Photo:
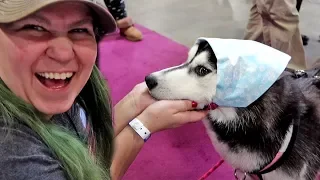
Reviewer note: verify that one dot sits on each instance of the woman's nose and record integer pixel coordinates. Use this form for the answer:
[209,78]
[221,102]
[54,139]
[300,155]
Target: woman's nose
[60,49]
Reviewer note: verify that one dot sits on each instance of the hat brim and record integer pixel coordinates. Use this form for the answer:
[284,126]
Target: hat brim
[10,12]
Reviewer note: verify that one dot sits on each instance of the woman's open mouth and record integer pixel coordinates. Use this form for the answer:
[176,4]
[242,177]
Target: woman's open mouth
[55,80]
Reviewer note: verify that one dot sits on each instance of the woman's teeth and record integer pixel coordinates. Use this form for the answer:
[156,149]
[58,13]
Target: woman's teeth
[62,76]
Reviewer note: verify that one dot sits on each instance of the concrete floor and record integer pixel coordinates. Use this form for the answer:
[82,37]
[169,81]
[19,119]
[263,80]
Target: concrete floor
[186,20]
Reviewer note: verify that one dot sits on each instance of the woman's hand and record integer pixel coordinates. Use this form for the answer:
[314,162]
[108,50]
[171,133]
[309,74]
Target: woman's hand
[167,114]
[140,98]
[131,106]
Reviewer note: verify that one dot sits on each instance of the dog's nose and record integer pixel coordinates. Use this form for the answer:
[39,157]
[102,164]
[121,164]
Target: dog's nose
[151,82]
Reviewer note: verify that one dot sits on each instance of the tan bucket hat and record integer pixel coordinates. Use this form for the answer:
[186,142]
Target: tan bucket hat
[13,10]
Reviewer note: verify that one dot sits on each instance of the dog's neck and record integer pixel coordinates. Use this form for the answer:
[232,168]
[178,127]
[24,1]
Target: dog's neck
[282,155]
[259,129]
[275,163]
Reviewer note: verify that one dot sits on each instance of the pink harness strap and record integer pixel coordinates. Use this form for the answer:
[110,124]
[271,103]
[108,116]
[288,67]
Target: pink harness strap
[283,148]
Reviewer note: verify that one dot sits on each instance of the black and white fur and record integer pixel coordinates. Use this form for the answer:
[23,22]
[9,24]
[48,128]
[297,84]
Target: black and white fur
[249,138]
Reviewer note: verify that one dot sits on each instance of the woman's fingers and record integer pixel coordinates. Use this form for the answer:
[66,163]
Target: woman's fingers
[191,116]
[183,105]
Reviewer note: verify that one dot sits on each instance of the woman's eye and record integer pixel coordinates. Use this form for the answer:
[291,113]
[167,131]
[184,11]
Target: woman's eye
[202,71]
[79,30]
[33,27]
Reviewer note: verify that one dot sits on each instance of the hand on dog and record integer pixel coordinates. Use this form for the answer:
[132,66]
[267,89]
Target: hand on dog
[141,97]
[136,101]
[167,114]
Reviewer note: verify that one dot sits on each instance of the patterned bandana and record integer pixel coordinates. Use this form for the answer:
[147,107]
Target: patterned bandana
[245,70]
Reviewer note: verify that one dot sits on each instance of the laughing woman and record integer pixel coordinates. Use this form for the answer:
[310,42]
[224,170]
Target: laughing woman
[55,109]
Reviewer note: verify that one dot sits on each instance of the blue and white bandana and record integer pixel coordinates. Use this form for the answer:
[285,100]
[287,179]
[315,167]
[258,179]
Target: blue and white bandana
[245,70]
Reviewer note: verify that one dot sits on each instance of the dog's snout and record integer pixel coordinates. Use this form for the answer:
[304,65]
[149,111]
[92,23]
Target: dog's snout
[151,82]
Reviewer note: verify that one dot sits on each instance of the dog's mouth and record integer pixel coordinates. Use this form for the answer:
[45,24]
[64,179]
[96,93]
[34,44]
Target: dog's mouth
[211,106]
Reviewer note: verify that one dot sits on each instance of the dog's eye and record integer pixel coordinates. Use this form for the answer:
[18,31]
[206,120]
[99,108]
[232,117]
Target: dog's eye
[201,71]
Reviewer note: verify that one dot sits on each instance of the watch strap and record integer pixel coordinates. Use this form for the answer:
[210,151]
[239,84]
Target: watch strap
[140,129]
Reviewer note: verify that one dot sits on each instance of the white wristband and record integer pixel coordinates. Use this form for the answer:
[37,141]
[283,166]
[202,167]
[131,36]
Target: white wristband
[140,129]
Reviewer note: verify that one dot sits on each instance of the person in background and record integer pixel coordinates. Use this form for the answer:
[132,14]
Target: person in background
[117,9]
[276,23]
[305,39]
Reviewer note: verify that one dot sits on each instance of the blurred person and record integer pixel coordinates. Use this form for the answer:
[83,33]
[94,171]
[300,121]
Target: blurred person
[118,10]
[305,39]
[276,23]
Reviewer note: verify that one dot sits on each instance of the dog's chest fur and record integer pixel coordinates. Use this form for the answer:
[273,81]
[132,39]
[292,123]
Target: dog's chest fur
[243,159]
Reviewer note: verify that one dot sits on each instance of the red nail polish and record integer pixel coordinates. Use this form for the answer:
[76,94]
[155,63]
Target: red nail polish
[194,104]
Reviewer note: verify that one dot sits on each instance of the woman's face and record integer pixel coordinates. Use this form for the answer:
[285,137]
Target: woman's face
[47,58]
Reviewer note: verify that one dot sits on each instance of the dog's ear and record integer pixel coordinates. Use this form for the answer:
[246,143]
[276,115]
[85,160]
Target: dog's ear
[199,47]
[192,52]
[212,58]
[203,45]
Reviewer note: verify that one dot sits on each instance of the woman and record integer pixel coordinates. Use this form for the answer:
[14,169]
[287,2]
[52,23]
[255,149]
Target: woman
[117,9]
[55,109]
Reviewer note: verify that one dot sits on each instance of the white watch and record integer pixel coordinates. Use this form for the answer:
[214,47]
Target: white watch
[140,129]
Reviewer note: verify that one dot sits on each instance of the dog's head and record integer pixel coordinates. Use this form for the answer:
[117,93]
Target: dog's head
[193,80]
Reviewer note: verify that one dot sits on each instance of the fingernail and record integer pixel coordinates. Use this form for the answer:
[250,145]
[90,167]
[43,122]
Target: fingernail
[194,104]
[213,106]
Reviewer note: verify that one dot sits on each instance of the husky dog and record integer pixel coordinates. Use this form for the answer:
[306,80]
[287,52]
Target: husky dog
[286,116]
